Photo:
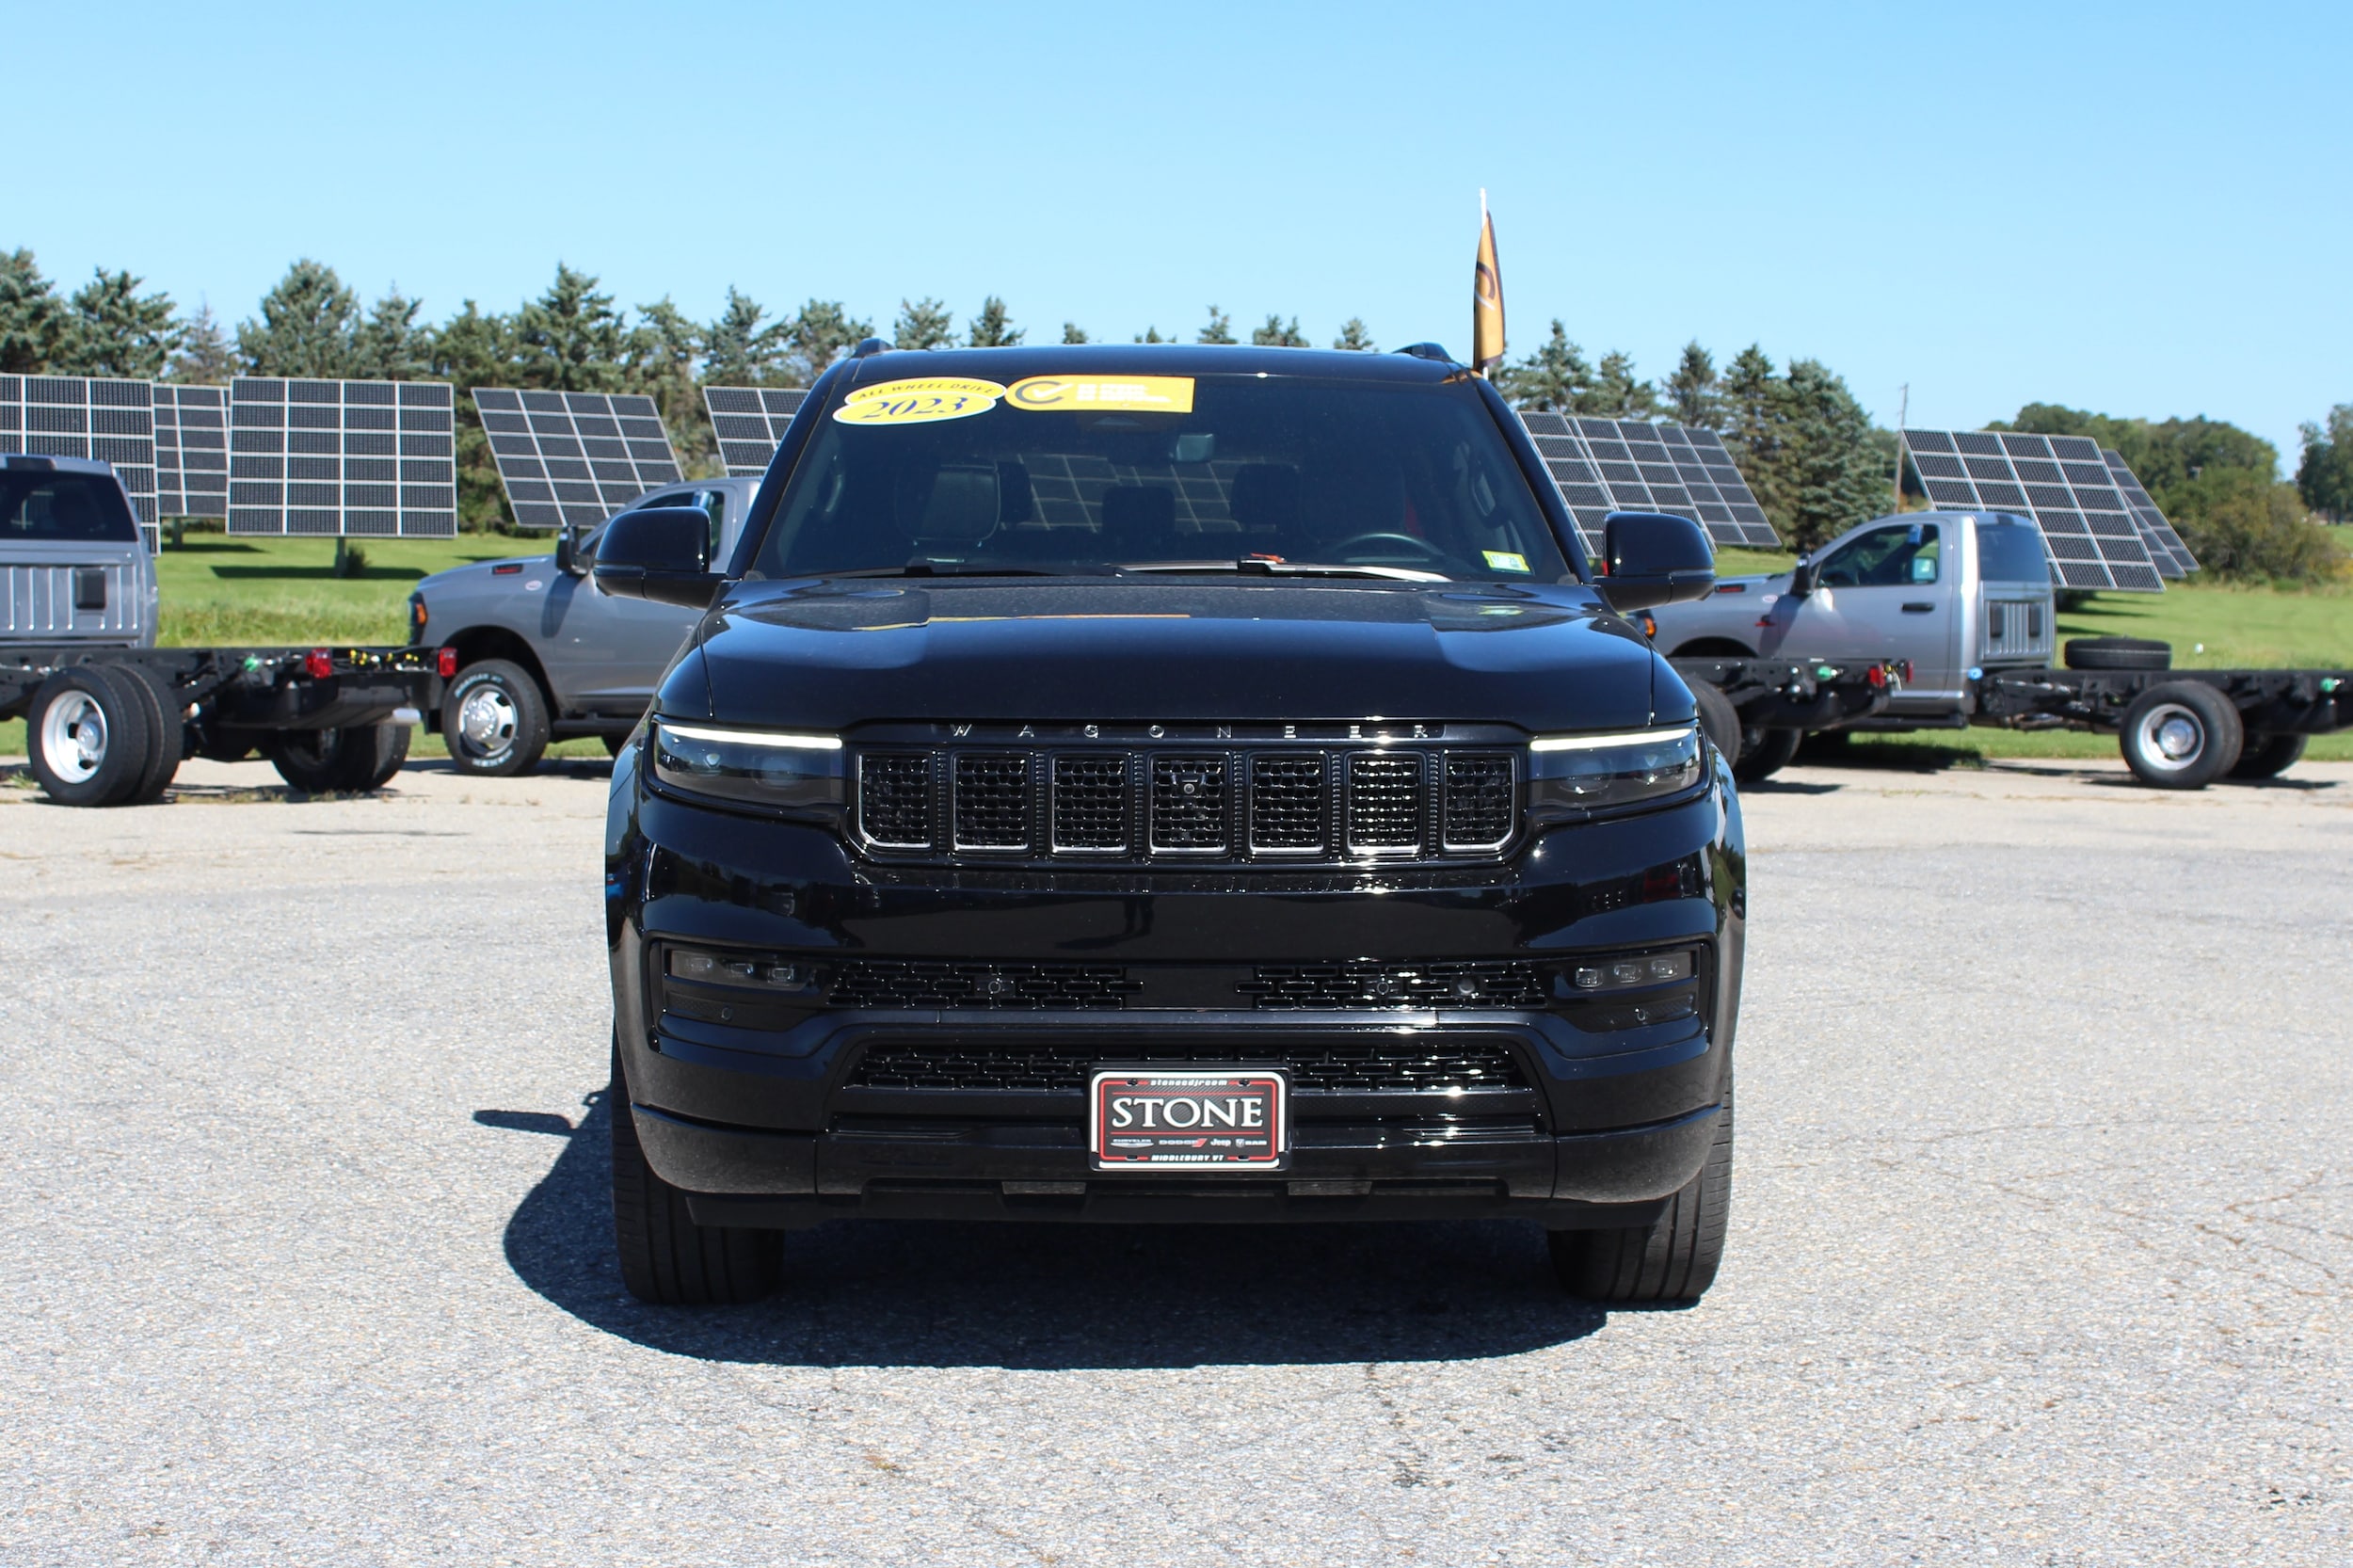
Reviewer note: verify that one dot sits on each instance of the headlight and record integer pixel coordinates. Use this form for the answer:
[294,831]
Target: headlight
[757,767]
[1569,774]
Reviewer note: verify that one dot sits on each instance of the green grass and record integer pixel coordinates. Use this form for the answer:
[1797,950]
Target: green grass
[218,591]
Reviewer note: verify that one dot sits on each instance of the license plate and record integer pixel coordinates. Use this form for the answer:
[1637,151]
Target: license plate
[1194,1119]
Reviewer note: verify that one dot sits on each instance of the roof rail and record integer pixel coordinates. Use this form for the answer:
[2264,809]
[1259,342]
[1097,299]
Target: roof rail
[1429,351]
[869,345]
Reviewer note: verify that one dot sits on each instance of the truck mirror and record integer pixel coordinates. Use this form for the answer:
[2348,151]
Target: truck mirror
[1805,578]
[568,551]
[1655,558]
[659,552]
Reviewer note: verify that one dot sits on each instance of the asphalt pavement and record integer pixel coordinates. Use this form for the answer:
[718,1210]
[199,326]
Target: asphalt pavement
[2041,1239]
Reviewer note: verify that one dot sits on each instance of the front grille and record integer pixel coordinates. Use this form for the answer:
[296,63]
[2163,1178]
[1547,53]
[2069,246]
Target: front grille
[1454,984]
[911,983]
[1433,1067]
[1295,803]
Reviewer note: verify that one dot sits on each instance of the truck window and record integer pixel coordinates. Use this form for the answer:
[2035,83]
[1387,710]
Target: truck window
[1896,555]
[64,508]
[2009,549]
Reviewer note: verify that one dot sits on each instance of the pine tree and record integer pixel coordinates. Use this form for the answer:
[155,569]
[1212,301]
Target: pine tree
[390,345]
[1616,393]
[33,320]
[1152,334]
[472,349]
[1073,332]
[990,330]
[1833,475]
[737,349]
[1692,390]
[571,339]
[1354,336]
[1750,419]
[305,327]
[1278,333]
[925,324]
[1220,329]
[664,348]
[820,332]
[1555,376]
[204,357]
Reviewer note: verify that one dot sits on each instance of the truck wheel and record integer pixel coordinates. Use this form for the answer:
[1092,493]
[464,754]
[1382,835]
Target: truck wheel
[2267,755]
[371,755]
[1718,718]
[87,736]
[338,761]
[1765,752]
[1674,1258]
[494,720]
[2181,735]
[666,1258]
[166,734]
[2118,654]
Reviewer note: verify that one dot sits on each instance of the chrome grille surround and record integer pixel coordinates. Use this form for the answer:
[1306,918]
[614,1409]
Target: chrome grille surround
[894,799]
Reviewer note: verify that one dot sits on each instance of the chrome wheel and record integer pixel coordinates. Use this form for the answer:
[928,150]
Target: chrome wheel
[486,719]
[2171,737]
[74,736]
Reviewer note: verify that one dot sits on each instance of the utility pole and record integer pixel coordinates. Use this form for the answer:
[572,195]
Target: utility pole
[1903,411]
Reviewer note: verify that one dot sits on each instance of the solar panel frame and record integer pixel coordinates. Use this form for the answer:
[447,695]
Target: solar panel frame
[2166,546]
[1602,465]
[320,459]
[572,460]
[106,418]
[748,423]
[2090,536]
[191,452]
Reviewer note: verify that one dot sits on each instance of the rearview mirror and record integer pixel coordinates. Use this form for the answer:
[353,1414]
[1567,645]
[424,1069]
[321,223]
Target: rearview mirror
[659,552]
[1654,558]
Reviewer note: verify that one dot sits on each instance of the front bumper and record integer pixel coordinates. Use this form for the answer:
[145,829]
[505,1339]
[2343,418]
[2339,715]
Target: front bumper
[767,1119]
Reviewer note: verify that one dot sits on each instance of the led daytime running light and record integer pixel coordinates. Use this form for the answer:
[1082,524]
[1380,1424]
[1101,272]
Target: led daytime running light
[753,737]
[1612,738]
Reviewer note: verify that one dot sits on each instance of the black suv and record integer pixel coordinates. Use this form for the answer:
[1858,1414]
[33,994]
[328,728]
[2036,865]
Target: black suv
[1168,784]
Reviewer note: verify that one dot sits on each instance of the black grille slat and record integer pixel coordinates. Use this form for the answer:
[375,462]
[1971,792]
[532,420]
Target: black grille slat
[1432,1066]
[1384,800]
[1289,797]
[1091,803]
[919,983]
[1480,803]
[1189,803]
[992,801]
[1450,984]
[895,799]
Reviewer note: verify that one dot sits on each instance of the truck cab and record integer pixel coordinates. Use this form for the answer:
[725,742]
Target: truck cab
[73,567]
[1953,594]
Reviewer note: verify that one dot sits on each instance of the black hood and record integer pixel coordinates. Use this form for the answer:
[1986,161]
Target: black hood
[835,654]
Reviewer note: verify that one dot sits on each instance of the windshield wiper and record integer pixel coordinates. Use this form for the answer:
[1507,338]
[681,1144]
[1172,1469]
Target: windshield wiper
[1250,566]
[919,567]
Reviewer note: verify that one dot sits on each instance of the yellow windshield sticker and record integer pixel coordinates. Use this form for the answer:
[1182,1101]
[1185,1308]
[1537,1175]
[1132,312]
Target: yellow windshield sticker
[1156,395]
[1500,560]
[918,401]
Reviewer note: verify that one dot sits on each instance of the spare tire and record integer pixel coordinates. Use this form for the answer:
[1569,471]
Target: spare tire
[2118,654]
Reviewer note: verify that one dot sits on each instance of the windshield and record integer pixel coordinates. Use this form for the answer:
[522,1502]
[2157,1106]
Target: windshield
[2011,551]
[1089,473]
[66,508]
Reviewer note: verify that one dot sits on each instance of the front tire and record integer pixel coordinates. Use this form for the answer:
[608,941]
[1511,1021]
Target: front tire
[666,1258]
[2181,735]
[1673,1259]
[494,720]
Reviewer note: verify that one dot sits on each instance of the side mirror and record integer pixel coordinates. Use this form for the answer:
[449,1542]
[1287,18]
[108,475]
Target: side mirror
[1655,558]
[659,552]
[566,551]
[1805,578]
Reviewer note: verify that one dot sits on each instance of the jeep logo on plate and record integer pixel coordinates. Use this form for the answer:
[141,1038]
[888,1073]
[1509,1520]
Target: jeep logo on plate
[1222,1118]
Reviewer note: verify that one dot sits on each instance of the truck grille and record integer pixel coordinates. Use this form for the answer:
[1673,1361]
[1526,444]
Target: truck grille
[915,983]
[1336,988]
[1431,1067]
[1292,803]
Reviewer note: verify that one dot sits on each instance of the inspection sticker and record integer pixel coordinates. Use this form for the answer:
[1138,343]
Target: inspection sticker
[1500,560]
[918,401]
[1156,395]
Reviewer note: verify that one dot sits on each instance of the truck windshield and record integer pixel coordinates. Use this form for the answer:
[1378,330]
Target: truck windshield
[1082,474]
[2009,549]
[63,508]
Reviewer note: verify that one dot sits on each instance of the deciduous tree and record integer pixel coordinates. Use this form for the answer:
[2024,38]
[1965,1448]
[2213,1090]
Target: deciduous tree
[2325,475]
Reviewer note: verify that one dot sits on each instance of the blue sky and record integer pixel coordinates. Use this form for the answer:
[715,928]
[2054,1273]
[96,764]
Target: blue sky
[2142,210]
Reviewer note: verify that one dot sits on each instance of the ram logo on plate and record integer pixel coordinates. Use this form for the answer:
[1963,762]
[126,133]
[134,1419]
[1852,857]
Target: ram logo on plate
[1220,1118]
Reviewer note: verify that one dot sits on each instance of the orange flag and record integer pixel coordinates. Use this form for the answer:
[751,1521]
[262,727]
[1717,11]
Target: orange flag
[1486,298]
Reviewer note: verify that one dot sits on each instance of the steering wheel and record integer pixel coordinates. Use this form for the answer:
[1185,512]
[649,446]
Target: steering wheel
[1423,546]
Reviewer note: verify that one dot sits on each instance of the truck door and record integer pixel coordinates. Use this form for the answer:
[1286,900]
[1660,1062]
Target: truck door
[604,654]
[1883,594]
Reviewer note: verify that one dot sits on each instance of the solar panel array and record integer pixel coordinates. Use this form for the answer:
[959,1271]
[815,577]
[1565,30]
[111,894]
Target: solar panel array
[78,416]
[2061,482]
[2166,547]
[191,451]
[570,459]
[749,423]
[368,459]
[1604,465]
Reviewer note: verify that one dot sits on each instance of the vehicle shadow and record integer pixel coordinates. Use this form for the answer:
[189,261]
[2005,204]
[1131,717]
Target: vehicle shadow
[1058,1297]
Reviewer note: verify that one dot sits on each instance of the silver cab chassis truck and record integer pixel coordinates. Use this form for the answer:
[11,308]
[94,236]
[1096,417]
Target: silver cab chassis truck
[109,718]
[1962,605]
